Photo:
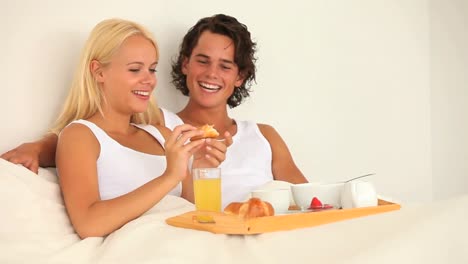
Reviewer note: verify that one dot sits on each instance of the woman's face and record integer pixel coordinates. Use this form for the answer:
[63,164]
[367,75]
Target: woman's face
[129,79]
[211,71]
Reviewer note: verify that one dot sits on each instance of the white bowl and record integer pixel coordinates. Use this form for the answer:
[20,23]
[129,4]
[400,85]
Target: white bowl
[278,198]
[327,193]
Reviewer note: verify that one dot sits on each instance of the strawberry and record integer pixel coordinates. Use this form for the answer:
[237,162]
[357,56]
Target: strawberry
[316,204]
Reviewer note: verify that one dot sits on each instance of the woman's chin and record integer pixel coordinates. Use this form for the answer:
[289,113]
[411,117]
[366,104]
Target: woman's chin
[139,109]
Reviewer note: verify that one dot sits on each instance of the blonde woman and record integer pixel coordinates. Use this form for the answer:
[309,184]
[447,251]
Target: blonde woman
[113,165]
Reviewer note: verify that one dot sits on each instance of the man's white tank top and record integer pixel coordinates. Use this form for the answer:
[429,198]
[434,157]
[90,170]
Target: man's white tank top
[248,160]
[121,169]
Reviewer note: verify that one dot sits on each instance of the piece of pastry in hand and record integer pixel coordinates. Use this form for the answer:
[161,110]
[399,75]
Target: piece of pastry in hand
[208,132]
[254,207]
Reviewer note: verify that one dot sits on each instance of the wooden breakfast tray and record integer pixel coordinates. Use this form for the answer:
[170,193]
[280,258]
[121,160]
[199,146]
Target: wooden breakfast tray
[231,224]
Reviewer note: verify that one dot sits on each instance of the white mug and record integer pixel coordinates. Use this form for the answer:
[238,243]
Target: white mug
[278,198]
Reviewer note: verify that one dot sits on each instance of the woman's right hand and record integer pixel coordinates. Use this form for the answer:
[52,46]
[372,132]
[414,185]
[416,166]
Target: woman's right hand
[26,154]
[179,149]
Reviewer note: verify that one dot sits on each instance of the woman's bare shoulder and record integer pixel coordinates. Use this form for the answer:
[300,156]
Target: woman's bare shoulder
[77,136]
[74,130]
[77,145]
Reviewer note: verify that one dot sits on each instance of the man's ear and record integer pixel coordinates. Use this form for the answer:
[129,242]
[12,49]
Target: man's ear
[184,65]
[96,70]
[240,80]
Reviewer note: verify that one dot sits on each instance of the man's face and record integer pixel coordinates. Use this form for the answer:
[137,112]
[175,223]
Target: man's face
[211,72]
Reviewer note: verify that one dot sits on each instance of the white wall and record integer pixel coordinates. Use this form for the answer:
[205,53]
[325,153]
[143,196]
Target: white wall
[356,79]
[449,97]
[346,83]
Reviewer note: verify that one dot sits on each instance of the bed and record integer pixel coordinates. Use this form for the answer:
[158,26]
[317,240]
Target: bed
[34,228]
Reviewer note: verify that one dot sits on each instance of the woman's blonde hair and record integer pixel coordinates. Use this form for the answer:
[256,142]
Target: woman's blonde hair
[85,98]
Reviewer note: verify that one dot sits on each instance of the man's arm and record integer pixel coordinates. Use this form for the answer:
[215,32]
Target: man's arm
[34,154]
[283,165]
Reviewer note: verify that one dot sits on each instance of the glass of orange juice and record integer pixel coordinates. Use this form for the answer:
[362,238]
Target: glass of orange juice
[207,189]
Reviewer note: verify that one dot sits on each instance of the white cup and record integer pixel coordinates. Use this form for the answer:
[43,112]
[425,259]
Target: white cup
[278,198]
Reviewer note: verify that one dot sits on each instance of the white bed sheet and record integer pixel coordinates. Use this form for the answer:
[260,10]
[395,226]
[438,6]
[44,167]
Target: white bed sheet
[34,228]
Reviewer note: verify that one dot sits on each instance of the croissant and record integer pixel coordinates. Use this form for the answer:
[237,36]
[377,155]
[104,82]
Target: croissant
[208,132]
[254,207]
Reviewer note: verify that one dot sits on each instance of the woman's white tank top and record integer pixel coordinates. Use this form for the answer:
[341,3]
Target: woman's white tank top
[122,169]
[248,160]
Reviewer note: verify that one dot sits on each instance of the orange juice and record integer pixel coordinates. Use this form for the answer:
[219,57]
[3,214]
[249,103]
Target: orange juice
[207,194]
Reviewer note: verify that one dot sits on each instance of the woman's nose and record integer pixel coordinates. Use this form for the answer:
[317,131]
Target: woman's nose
[149,78]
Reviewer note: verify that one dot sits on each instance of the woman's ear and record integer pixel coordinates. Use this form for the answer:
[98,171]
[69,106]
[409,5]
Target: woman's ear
[96,70]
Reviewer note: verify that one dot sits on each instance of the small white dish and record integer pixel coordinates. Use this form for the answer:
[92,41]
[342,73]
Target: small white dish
[306,211]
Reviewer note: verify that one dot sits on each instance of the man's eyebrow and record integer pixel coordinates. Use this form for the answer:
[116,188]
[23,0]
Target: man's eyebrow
[207,57]
[227,61]
[202,55]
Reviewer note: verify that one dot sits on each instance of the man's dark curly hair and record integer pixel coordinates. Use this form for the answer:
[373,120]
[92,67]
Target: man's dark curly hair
[244,56]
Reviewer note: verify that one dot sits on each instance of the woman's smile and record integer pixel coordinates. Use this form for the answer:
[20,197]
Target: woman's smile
[142,94]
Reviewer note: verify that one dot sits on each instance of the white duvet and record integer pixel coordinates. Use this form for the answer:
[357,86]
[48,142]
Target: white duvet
[34,228]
